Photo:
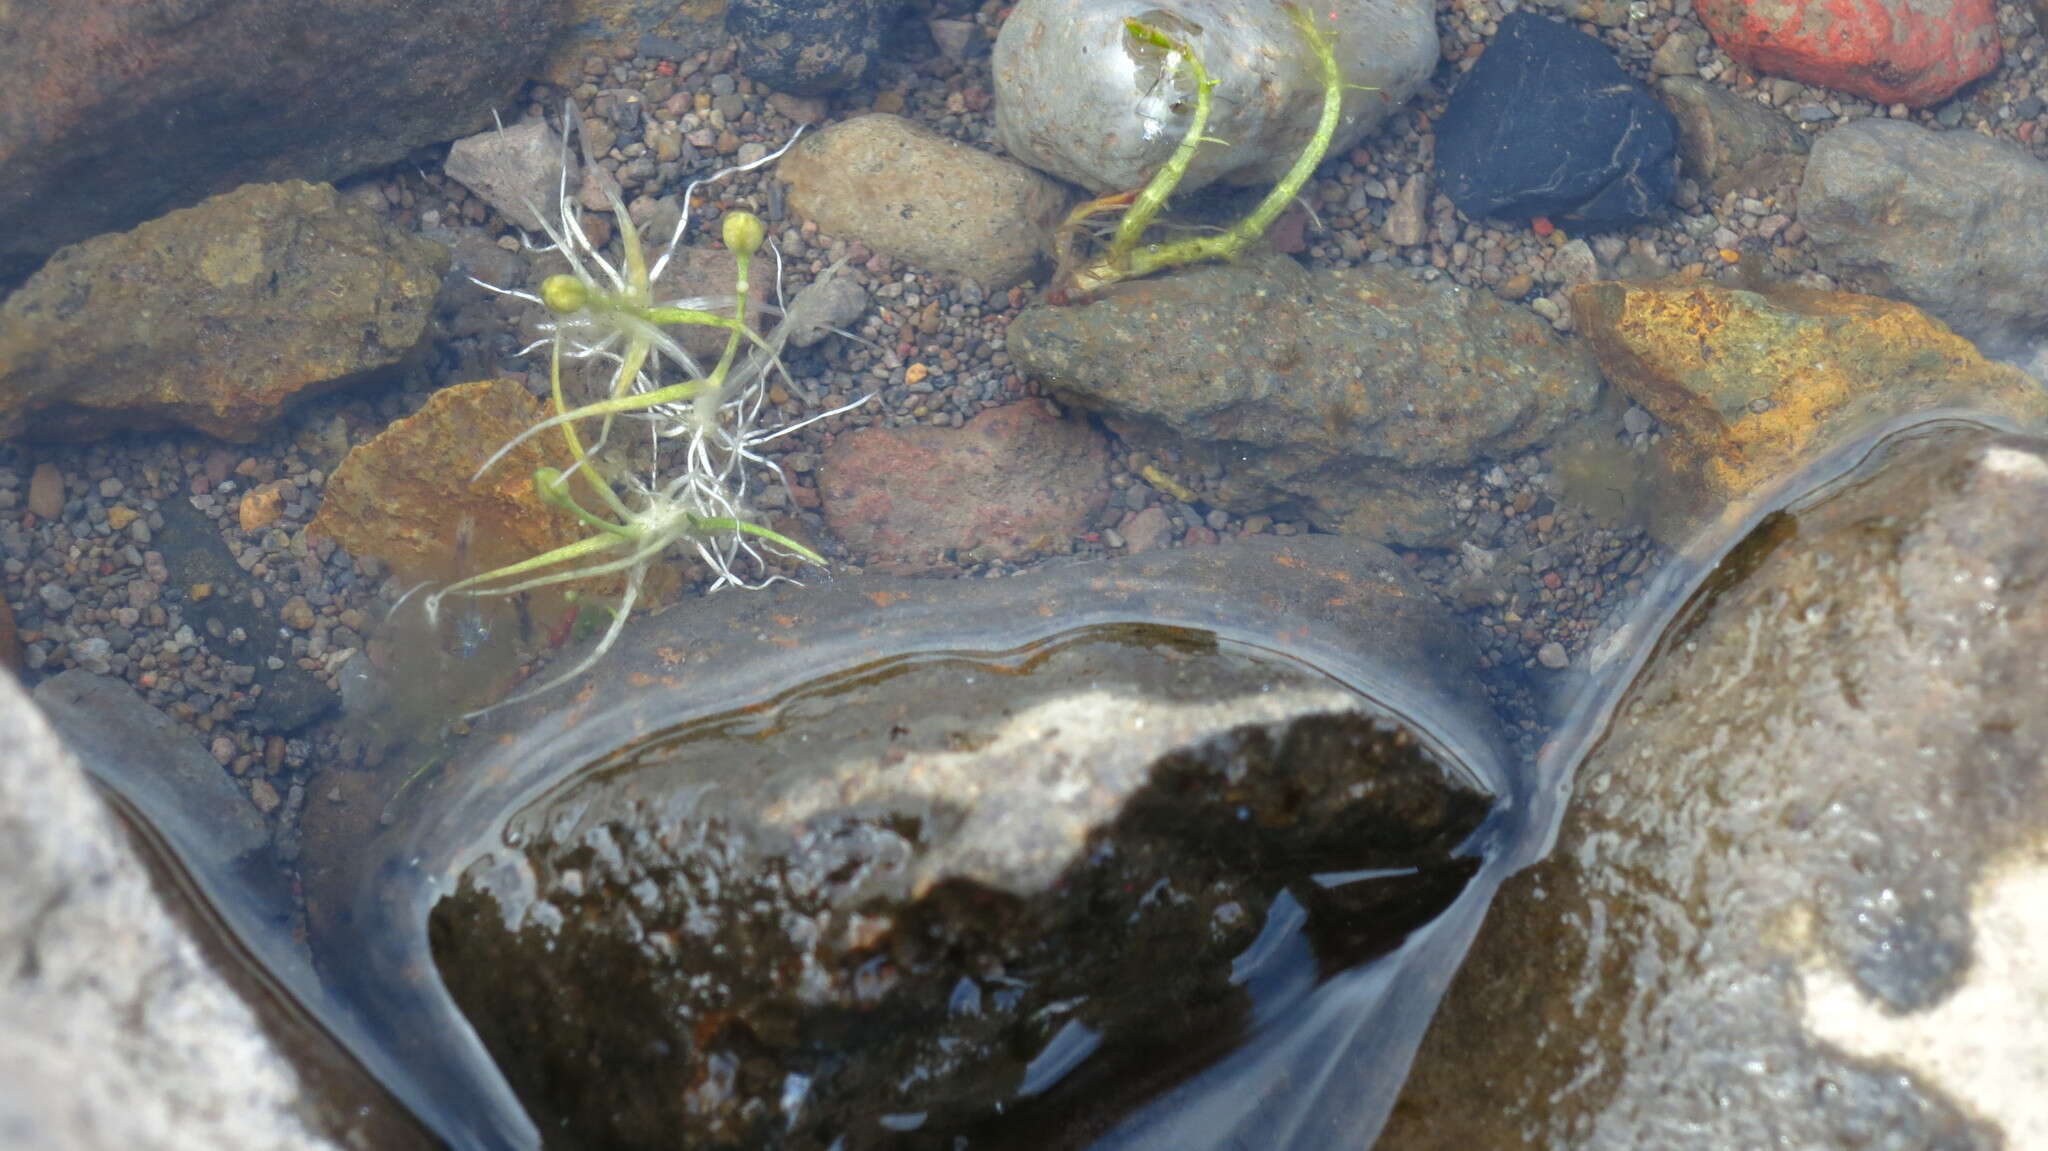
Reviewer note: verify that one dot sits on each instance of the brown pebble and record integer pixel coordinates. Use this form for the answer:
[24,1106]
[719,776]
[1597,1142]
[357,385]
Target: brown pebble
[261,506]
[120,516]
[264,796]
[46,491]
[890,102]
[1518,285]
[273,754]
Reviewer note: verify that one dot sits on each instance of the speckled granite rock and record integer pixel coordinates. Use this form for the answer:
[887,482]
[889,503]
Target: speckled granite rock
[214,317]
[1343,395]
[1785,906]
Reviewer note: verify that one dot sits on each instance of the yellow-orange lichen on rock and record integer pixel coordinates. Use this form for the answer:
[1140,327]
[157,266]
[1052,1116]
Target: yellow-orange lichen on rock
[405,495]
[1753,385]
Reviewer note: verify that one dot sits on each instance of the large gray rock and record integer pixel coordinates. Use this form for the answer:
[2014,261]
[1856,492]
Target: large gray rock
[1951,221]
[957,833]
[1077,98]
[114,1031]
[1784,907]
[1345,395]
[113,112]
[215,317]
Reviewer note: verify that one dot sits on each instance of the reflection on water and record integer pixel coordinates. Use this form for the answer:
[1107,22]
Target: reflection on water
[1319,1005]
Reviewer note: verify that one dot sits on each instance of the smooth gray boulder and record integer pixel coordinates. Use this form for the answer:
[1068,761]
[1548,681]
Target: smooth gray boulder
[114,1030]
[1077,98]
[1951,221]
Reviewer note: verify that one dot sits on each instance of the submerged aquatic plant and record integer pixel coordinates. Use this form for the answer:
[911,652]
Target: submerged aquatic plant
[705,424]
[1126,255]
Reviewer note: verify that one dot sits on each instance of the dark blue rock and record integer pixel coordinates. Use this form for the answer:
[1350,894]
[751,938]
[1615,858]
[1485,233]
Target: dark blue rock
[1547,124]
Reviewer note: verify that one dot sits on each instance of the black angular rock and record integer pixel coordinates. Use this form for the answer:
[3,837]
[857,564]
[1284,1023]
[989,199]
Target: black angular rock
[1548,124]
[807,47]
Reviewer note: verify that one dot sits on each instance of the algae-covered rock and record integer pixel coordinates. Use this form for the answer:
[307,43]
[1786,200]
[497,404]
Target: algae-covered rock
[1754,385]
[1784,905]
[408,498]
[902,188]
[1012,855]
[215,317]
[1342,394]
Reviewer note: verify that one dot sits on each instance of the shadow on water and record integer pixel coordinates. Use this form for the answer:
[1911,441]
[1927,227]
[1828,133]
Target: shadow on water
[1313,1014]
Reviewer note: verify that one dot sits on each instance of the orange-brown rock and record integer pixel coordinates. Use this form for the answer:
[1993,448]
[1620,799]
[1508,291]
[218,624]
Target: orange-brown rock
[1751,386]
[261,505]
[407,498]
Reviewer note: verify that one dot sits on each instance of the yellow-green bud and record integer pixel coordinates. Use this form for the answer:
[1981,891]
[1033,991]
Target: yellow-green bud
[550,486]
[743,232]
[564,294]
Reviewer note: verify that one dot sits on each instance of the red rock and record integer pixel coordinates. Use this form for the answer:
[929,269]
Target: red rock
[1913,52]
[1014,481]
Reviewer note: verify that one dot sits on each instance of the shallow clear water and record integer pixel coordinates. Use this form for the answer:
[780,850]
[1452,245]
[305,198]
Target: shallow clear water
[369,979]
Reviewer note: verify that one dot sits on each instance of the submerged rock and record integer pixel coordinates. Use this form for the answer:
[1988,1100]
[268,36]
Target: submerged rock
[1730,143]
[1951,221]
[1344,394]
[116,112]
[518,170]
[1548,124]
[990,858]
[954,920]
[808,47]
[1752,387]
[411,496]
[215,317]
[1015,482]
[1781,908]
[904,189]
[1912,52]
[1077,98]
